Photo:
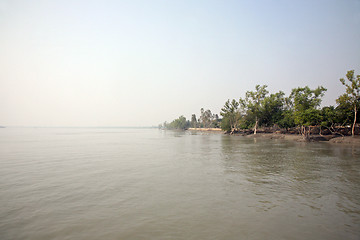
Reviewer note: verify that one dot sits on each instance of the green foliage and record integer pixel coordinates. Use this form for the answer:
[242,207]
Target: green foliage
[300,108]
[225,124]
[352,95]
[352,89]
[206,118]
[344,110]
[254,100]
[329,116]
[305,98]
[179,123]
[254,104]
[308,117]
[215,122]
[332,117]
[305,103]
[231,115]
[193,122]
[272,109]
[287,119]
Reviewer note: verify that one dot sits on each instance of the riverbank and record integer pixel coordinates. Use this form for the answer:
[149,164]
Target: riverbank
[336,139]
[346,140]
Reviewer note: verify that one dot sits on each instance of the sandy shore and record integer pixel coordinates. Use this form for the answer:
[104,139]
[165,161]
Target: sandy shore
[206,129]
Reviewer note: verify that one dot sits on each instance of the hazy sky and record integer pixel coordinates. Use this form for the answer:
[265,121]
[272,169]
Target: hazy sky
[139,63]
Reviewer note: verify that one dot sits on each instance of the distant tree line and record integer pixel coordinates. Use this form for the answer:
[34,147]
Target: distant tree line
[206,120]
[301,109]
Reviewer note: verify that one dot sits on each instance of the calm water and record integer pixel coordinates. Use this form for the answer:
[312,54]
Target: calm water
[150,184]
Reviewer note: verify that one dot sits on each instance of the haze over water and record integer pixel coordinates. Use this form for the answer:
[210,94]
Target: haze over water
[111,183]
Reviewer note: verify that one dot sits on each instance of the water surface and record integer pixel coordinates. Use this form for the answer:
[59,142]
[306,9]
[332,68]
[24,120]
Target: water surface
[113,183]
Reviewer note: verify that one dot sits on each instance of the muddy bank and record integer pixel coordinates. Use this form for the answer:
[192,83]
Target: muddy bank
[336,139]
[346,140]
[292,137]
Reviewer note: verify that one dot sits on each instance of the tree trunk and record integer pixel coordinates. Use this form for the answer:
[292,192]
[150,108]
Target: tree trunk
[353,127]
[256,123]
[305,134]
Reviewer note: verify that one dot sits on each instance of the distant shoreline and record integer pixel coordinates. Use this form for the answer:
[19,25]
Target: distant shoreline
[207,129]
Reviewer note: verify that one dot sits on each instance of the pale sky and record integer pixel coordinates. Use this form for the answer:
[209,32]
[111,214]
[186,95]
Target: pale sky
[140,63]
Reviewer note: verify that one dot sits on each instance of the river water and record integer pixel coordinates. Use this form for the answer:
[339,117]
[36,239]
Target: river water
[115,183]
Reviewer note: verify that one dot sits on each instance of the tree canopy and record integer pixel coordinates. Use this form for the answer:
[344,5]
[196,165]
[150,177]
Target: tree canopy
[301,109]
[180,123]
[254,104]
[351,97]
[231,115]
[305,102]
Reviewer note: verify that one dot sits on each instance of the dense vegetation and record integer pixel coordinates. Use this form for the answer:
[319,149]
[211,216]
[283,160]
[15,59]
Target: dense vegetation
[300,109]
[206,120]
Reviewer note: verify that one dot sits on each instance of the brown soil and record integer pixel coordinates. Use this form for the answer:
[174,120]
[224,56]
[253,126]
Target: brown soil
[313,138]
[346,140]
[335,139]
